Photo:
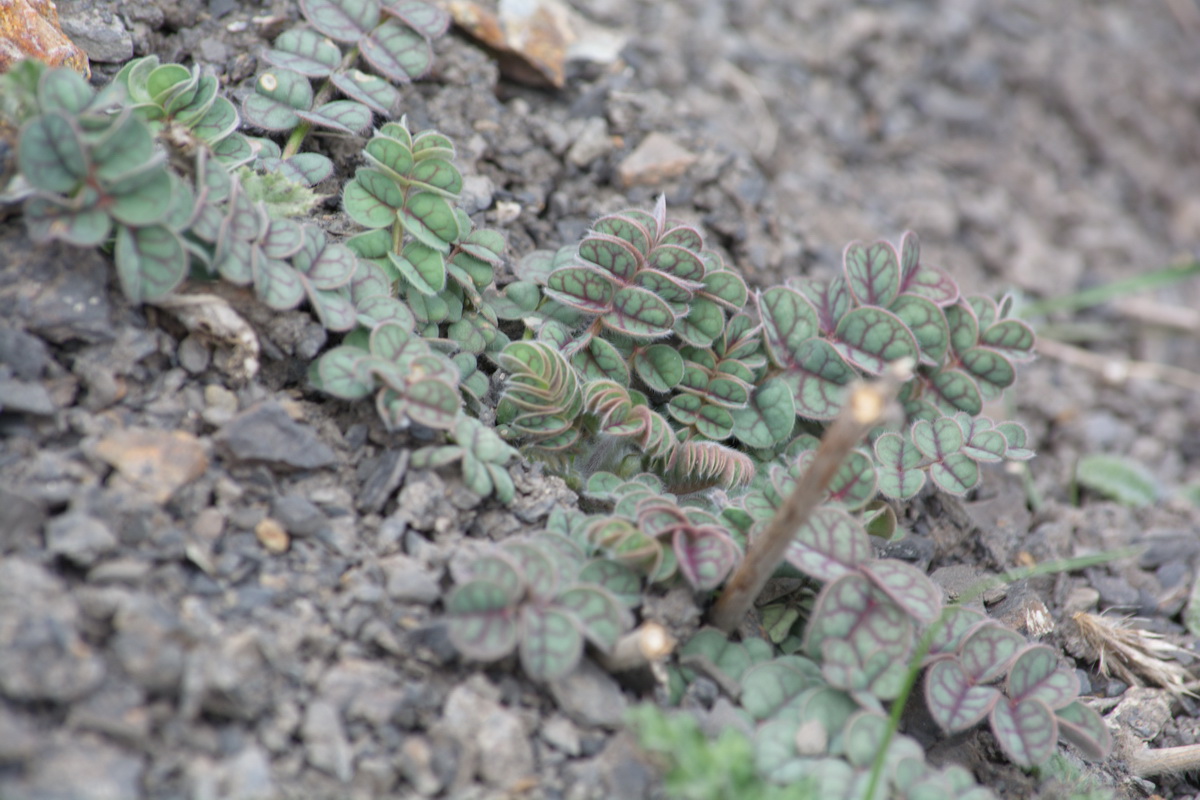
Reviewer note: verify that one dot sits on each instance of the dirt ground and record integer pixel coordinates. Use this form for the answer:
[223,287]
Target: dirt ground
[152,645]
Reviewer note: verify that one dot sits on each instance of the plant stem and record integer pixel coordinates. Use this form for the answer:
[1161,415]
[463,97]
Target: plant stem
[865,408]
[1165,761]
[640,647]
[298,134]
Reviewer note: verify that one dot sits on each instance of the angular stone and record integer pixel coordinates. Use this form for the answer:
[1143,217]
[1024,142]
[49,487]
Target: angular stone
[84,768]
[299,516]
[25,397]
[79,538]
[149,643]
[325,744]
[159,462]
[383,479]
[100,33]
[590,696]
[658,158]
[56,291]
[265,433]
[27,356]
[408,581]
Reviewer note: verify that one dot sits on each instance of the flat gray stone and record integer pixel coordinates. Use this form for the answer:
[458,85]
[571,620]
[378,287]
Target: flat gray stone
[265,433]
[590,696]
[325,744]
[79,538]
[100,33]
[25,397]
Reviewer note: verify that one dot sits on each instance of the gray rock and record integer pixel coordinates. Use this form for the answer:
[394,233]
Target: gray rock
[325,744]
[417,765]
[299,516]
[408,581]
[42,657]
[27,356]
[265,433]
[79,538]
[231,680]
[18,737]
[194,354]
[592,142]
[25,397]
[21,518]
[100,33]
[505,755]
[590,696]
[561,734]
[618,771]
[382,480]
[77,769]
[149,643]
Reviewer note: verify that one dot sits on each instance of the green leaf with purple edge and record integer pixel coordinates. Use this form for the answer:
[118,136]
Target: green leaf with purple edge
[51,153]
[678,262]
[1012,338]
[343,20]
[151,262]
[956,474]
[388,341]
[1035,674]
[430,219]
[324,264]
[907,586]
[963,326]
[870,661]
[726,288]
[586,289]
[900,477]
[304,51]
[987,650]
[370,90]
[279,94]
[818,377]
[872,272]
[927,282]
[393,157]
[953,699]
[437,175]
[732,658]
[684,236]
[339,373]
[334,309]
[952,625]
[989,367]
[1026,731]
[1083,727]
[714,422]
[830,544]
[855,482]
[659,366]
[939,438]
[550,643]
[789,322]
[871,338]
[47,217]
[425,18]
[638,314]
[422,268]
[284,238]
[601,361]
[769,686]
[538,568]
[481,620]
[1016,436]
[344,116]
[768,418]
[372,198]
[616,256]
[927,323]
[276,283]
[953,390]
[600,616]
[397,52]
[433,403]
[706,555]
[986,445]
[703,323]
[622,582]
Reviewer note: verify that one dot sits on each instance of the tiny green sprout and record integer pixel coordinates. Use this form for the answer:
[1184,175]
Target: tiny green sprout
[483,455]
[527,596]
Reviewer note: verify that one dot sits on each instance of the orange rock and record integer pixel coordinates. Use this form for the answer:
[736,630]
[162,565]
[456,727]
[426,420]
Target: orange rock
[272,536]
[159,462]
[658,158]
[529,39]
[30,29]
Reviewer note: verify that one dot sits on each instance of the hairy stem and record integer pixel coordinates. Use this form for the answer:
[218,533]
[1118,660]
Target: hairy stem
[1165,761]
[866,406]
[301,131]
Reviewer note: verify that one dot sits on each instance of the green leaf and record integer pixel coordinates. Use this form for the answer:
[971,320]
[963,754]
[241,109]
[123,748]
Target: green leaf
[1083,727]
[343,20]
[432,403]
[305,51]
[439,176]
[638,314]
[789,323]
[397,52]
[599,360]
[481,620]
[955,702]
[907,586]
[828,545]
[767,687]
[872,273]
[599,615]
[727,288]
[953,390]
[345,116]
[1035,674]
[818,377]
[276,283]
[426,19]
[989,367]
[987,651]
[424,268]
[704,322]
[125,148]
[706,555]
[1123,479]
[871,338]
[899,459]
[47,218]
[372,198]
[370,90]
[659,366]
[769,417]
[927,323]
[550,643]
[279,93]
[143,199]
[64,90]
[624,583]
[151,262]
[1026,731]
[51,154]
[340,375]
[217,125]
[430,219]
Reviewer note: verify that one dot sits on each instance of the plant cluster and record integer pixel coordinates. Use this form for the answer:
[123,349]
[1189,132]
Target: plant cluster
[392,37]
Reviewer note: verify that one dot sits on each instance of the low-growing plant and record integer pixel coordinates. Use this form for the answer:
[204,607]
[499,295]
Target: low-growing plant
[392,37]
[482,453]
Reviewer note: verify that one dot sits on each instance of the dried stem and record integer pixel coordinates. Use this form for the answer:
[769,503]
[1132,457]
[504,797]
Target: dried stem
[1165,761]
[867,404]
